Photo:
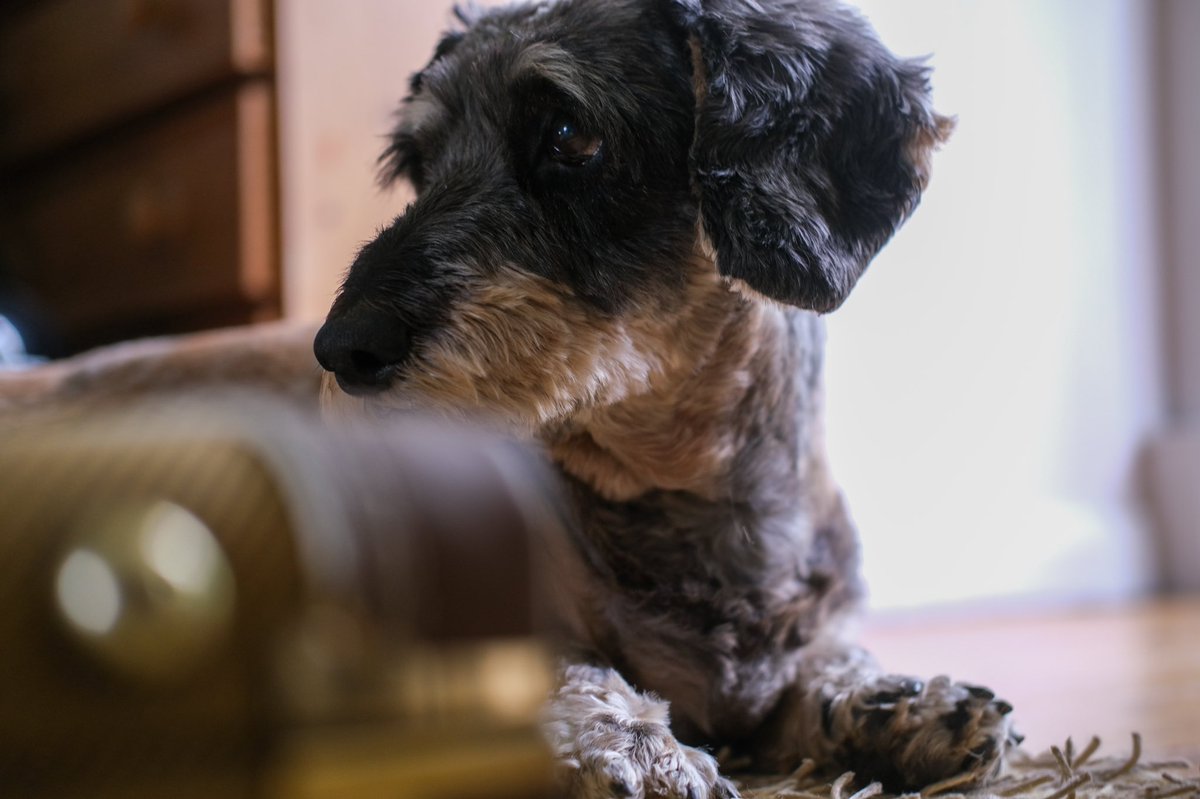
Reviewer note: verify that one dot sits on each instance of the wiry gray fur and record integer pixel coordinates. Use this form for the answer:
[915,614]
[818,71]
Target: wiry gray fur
[615,309]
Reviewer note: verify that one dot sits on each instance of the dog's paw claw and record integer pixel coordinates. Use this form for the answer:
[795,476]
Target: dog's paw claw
[979,692]
[890,690]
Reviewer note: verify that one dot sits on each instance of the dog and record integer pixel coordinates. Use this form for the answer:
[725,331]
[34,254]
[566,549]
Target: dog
[629,218]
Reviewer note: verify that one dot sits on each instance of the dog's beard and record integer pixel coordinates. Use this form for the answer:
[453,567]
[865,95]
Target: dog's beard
[338,406]
[402,400]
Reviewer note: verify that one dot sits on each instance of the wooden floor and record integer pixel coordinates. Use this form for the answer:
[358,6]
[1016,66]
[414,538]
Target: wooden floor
[1105,672]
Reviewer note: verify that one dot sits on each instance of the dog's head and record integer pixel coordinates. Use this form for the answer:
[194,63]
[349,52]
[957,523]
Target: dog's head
[593,177]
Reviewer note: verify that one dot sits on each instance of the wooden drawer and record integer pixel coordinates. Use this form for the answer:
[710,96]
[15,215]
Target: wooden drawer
[69,67]
[178,219]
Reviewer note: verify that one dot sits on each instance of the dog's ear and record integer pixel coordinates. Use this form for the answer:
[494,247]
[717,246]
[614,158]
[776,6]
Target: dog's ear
[812,142]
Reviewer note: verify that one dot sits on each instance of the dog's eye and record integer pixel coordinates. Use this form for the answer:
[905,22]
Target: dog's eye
[569,145]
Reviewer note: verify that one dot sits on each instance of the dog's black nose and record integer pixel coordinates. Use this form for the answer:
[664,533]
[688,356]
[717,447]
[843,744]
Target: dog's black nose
[364,351]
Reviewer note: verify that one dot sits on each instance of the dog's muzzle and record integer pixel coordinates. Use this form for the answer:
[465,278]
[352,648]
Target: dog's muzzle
[364,349]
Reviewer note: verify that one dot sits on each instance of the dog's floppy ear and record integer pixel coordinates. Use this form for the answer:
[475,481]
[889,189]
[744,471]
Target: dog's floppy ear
[812,142]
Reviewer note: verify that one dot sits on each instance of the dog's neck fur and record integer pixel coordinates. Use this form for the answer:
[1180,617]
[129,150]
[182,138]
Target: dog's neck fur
[736,367]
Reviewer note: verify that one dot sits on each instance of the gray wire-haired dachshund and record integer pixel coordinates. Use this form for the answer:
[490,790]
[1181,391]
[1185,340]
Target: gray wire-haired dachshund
[629,215]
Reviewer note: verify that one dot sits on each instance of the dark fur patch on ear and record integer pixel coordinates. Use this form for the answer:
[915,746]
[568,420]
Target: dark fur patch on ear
[811,143]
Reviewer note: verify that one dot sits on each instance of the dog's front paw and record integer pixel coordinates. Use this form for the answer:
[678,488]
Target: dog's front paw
[643,761]
[910,734]
[613,741]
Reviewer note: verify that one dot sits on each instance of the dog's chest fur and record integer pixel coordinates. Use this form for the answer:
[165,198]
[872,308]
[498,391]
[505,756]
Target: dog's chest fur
[706,591]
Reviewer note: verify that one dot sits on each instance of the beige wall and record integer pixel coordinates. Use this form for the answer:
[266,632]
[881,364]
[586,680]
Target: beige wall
[343,67]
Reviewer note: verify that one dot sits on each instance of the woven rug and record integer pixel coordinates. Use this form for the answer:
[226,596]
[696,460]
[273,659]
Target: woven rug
[1061,773]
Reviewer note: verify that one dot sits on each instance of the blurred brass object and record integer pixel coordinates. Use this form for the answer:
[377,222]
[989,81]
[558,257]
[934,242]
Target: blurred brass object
[331,670]
[455,763]
[145,588]
[379,722]
[219,596]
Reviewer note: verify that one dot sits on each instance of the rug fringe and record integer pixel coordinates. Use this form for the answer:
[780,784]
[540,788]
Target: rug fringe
[1064,774]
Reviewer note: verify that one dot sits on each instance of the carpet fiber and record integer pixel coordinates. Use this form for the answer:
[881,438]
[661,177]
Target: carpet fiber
[1061,773]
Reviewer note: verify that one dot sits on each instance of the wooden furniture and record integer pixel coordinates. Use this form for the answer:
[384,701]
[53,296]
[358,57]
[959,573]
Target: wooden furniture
[170,165]
[137,164]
